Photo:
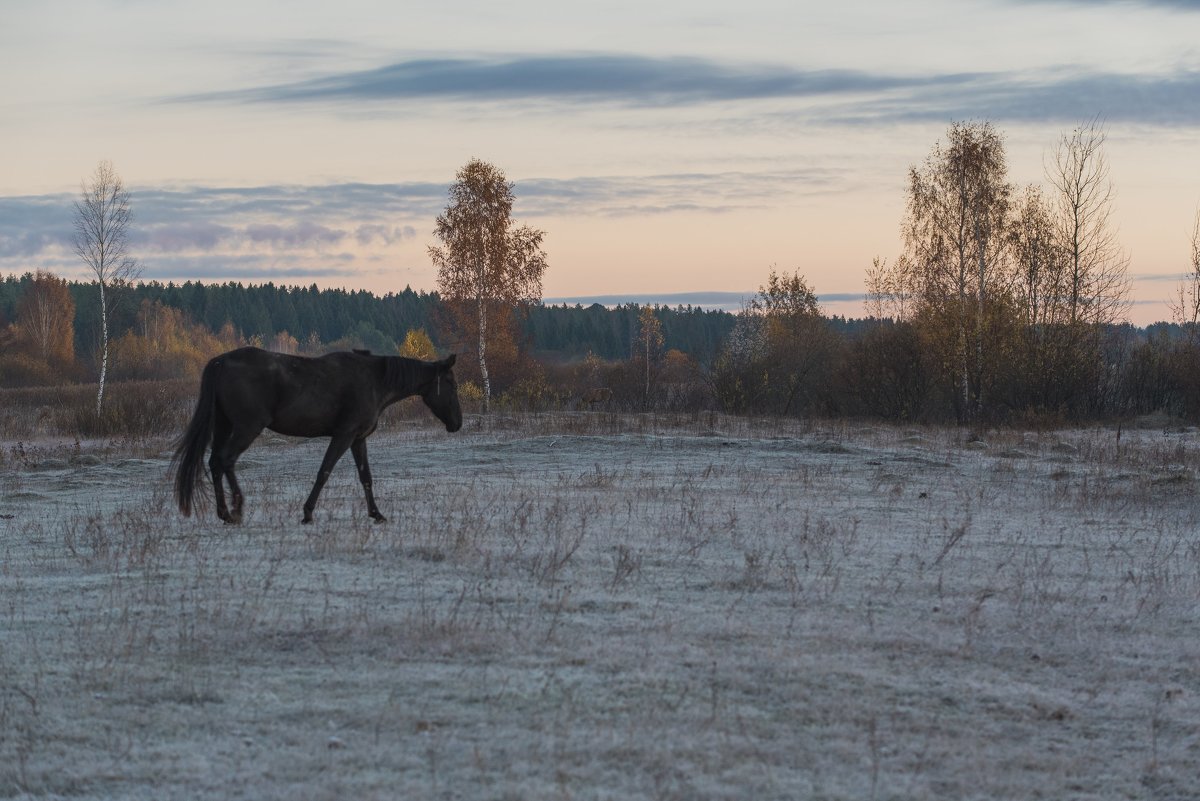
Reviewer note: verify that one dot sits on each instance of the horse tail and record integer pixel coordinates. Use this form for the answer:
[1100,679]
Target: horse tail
[188,460]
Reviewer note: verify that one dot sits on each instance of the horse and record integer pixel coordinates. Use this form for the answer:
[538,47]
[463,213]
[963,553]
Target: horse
[339,395]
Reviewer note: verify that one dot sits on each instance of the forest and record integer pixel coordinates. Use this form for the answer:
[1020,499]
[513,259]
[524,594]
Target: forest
[800,363]
[308,320]
[168,331]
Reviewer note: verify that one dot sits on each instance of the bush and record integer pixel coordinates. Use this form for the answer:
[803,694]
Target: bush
[533,393]
[883,375]
[131,409]
[20,370]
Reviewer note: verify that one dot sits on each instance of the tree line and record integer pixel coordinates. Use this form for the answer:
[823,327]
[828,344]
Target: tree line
[1005,304]
[317,319]
[779,356]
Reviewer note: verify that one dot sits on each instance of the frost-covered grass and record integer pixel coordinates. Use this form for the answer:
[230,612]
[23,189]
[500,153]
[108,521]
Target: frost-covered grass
[601,606]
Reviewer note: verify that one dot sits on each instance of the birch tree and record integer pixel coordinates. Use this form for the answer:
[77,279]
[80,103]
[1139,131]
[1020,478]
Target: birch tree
[1093,288]
[102,218]
[1040,274]
[649,343]
[1078,173]
[485,263]
[957,250]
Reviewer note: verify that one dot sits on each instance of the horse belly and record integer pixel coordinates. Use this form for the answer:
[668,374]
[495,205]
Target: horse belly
[316,415]
[300,425]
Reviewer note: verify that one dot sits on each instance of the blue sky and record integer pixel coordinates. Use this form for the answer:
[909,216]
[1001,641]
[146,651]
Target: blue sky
[664,148]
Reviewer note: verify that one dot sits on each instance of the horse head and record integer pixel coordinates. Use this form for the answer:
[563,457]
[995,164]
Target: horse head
[441,394]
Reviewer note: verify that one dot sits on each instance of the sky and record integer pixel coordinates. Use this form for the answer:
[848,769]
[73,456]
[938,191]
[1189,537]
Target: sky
[672,152]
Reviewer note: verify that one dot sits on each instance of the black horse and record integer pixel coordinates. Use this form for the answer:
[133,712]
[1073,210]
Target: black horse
[339,396]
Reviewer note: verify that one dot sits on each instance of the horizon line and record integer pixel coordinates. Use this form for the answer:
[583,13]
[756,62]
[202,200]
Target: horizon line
[725,301]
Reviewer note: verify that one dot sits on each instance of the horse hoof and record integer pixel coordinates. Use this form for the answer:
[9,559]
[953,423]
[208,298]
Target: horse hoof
[307,519]
[379,518]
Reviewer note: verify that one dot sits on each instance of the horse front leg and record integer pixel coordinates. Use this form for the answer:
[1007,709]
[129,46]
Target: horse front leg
[359,449]
[337,446]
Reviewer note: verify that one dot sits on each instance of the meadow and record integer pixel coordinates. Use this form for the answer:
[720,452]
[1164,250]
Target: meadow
[593,605]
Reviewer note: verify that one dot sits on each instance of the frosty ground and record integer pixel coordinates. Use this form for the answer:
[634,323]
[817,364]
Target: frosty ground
[601,606]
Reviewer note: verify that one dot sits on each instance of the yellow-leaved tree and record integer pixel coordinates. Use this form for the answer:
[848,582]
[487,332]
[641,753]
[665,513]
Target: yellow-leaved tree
[417,345]
[487,266]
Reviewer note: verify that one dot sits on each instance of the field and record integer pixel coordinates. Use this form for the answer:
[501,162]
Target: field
[590,606]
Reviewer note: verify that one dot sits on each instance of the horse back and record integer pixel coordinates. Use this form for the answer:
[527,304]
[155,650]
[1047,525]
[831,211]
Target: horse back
[299,395]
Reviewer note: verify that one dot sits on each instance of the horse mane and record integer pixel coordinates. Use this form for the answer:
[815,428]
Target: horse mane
[403,374]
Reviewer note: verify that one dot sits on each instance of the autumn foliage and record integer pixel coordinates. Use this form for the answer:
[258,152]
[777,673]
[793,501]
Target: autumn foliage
[164,344]
[39,348]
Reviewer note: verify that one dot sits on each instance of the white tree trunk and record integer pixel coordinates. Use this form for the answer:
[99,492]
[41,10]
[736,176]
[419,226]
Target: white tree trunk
[646,403]
[103,349]
[483,371]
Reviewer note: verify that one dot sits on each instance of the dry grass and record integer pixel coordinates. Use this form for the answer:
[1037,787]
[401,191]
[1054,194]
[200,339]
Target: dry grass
[131,410]
[603,606]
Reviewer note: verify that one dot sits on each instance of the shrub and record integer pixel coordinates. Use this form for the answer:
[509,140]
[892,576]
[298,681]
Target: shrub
[21,370]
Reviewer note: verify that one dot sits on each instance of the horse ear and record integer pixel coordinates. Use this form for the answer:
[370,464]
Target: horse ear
[448,362]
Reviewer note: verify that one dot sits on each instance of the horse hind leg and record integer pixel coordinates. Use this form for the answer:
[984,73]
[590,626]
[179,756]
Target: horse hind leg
[235,515]
[216,463]
[218,479]
[234,446]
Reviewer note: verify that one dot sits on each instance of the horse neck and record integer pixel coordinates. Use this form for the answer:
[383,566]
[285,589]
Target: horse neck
[403,376]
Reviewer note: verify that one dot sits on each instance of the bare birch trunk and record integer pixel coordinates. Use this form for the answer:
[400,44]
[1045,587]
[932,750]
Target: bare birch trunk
[103,349]
[646,402]
[483,371]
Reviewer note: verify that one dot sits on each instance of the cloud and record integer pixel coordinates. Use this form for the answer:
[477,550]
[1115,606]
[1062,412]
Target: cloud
[385,234]
[182,235]
[29,244]
[297,220]
[288,237]
[279,233]
[1173,277]
[34,225]
[848,97]
[1063,96]
[373,202]
[640,195]
[1176,5]
[260,233]
[624,79]
[252,268]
